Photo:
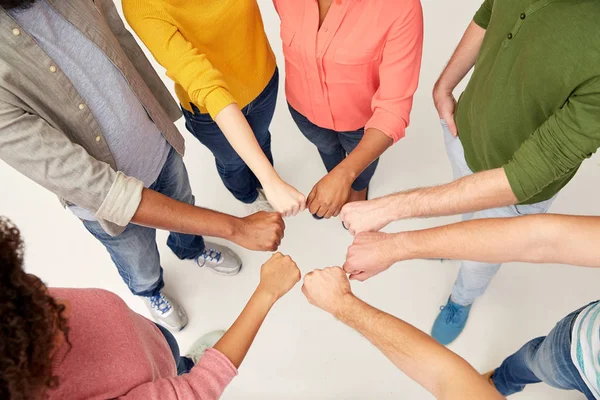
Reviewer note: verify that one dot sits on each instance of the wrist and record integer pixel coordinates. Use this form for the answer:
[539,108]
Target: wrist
[268,177]
[267,296]
[233,228]
[346,172]
[405,247]
[443,87]
[343,306]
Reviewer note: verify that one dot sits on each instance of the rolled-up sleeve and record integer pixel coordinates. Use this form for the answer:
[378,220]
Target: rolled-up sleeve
[484,14]
[559,145]
[399,74]
[48,157]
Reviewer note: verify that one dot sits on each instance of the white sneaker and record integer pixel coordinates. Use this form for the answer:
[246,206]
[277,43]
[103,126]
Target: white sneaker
[166,312]
[219,259]
[260,204]
[207,341]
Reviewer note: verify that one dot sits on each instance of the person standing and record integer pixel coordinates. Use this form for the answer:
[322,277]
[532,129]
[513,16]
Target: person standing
[352,69]
[226,79]
[84,114]
[529,117]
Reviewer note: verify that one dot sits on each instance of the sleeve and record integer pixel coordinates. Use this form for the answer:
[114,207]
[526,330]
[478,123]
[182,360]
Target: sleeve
[559,145]
[138,58]
[206,381]
[48,157]
[184,63]
[484,14]
[399,75]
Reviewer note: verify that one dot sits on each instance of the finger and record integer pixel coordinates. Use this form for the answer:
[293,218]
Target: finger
[328,212]
[337,212]
[361,277]
[451,125]
[320,211]
[313,206]
[305,291]
[311,197]
[302,205]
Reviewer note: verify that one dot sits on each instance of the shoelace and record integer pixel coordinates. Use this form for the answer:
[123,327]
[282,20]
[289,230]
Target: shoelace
[453,313]
[211,255]
[160,303]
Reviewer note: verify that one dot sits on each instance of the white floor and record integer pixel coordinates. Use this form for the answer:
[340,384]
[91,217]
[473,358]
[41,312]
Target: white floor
[302,353]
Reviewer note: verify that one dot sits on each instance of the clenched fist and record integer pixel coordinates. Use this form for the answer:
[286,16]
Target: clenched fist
[278,275]
[330,194]
[328,289]
[284,198]
[261,231]
[366,216]
[371,253]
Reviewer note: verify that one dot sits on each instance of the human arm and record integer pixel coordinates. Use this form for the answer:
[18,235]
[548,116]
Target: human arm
[479,191]
[440,371]
[206,87]
[218,366]
[547,238]
[459,65]
[391,105]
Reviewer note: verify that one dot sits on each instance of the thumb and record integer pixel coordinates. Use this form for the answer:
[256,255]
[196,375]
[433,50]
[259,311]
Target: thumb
[451,125]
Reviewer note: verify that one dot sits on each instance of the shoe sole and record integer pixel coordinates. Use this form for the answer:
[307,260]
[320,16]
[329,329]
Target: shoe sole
[224,273]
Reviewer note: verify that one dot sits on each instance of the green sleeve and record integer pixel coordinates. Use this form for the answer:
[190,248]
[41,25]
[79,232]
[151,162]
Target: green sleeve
[484,14]
[559,145]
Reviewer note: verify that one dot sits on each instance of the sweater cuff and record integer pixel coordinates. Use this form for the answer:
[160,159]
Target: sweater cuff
[217,100]
[388,123]
[122,200]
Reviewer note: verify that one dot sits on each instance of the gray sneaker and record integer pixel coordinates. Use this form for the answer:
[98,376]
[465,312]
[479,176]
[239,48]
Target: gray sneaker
[166,312]
[260,204]
[199,347]
[219,259]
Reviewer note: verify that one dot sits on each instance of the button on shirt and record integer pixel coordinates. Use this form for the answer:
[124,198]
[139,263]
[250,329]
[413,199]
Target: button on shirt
[359,69]
[138,147]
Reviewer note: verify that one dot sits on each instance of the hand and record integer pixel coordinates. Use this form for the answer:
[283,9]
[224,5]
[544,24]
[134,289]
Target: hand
[366,216]
[278,275]
[284,198]
[372,253]
[261,231]
[328,289]
[330,194]
[445,104]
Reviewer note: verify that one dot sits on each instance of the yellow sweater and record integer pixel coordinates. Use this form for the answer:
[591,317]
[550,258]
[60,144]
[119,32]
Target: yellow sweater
[216,51]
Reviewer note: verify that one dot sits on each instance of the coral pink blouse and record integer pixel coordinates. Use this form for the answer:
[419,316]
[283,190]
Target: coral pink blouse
[360,69]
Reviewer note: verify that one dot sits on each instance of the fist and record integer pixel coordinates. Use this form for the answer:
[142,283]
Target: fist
[261,231]
[279,275]
[366,216]
[285,199]
[328,289]
[370,254]
[329,195]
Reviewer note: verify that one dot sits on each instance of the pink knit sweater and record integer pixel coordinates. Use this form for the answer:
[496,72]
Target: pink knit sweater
[117,353]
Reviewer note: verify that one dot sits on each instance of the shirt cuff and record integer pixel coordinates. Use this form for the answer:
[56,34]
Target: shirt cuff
[217,100]
[122,201]
[388,123]
[482,16]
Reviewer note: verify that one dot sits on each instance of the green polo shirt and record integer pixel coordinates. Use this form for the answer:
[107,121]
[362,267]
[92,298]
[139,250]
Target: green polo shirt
[532,105]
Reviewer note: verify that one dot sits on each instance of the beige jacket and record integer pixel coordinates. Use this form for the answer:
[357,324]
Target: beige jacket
[49,135]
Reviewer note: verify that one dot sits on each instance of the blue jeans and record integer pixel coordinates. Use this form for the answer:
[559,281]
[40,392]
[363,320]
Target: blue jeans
[234,172]
[475,277]
[334,146]
[544,359]
[134,251]
[184,364]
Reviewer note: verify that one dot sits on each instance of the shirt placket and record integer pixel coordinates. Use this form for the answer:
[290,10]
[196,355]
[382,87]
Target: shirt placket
[522,19]
[324,37]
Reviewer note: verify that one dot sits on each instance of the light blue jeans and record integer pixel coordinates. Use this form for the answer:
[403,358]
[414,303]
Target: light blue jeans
[475,277]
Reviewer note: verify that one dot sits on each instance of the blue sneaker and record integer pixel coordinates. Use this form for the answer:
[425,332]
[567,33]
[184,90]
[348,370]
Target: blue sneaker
[450,322]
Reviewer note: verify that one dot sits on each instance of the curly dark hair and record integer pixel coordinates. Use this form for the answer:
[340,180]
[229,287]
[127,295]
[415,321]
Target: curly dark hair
[29,322]
[10,4]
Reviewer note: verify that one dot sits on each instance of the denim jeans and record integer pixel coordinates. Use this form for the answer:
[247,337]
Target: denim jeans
[234,172]
[134,251]
[475,277]
[184,364]
[544,359]
[334,146]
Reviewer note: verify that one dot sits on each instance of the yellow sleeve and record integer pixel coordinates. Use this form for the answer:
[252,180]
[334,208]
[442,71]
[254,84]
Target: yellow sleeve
[185,64]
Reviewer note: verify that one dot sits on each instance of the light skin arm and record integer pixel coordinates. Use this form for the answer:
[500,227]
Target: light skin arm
[479,191]
[563,239]
[261,231]
[460,64]
[440,371]
[278,276]
[333,191]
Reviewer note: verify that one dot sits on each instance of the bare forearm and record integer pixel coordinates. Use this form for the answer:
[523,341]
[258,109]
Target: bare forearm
[159,211]
[235,127]
[237,340]
[480,191]
[463,59]
[421,358]
[373,144]
[538,239]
